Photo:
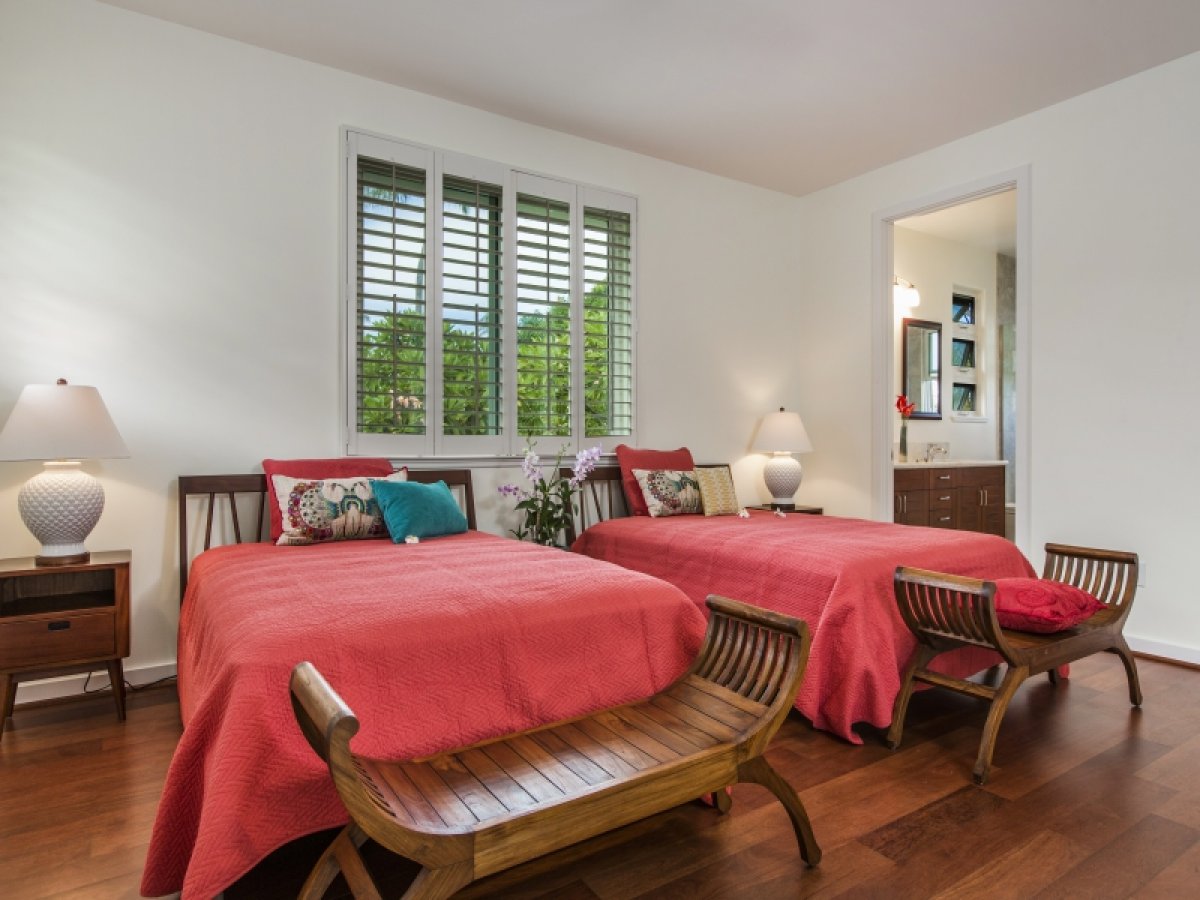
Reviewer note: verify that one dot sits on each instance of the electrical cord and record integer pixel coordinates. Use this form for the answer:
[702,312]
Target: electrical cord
[132,688]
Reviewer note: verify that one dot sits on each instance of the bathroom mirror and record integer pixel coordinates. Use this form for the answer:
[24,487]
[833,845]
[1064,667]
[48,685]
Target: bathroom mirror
[922,367]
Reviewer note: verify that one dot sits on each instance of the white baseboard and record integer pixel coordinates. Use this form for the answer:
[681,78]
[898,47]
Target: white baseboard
[1189,655]
[72,685]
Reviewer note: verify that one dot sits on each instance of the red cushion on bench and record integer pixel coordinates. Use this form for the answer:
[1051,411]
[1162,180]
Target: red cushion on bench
[1034,604]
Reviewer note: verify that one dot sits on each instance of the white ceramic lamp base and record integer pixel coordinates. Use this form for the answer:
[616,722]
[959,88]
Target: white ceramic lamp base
[782,475]
[61,506]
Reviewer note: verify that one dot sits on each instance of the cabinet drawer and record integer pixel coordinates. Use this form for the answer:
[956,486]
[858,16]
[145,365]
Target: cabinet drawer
[982,476]
[943,498]
[910,479]
[51,640]
[939,479]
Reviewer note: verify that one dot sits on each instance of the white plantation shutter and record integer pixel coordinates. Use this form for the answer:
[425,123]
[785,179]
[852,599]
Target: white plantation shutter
[607,322]
[545,288]
[484,306]
[471,307]
[389,400]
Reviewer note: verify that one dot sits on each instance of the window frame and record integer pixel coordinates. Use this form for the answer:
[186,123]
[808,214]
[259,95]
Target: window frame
[437,164]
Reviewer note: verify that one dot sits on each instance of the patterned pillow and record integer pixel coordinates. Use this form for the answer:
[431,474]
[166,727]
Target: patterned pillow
[315,511]
[630,458]
[316,469]
[717,495]
[669,492]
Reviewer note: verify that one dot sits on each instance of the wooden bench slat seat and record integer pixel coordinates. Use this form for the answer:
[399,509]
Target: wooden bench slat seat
[474,811]
[945,612]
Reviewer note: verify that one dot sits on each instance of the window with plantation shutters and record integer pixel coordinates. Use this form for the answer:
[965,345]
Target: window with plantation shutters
[485,306]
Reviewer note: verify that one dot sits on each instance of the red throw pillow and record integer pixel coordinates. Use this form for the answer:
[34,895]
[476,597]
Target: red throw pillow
[344,467]
[1031,604]
[630,458]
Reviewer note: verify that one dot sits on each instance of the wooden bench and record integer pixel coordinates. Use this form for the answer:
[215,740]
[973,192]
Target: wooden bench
[946,612]
[469,813]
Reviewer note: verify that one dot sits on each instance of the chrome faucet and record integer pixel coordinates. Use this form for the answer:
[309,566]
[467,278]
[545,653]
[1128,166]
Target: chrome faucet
[933,451]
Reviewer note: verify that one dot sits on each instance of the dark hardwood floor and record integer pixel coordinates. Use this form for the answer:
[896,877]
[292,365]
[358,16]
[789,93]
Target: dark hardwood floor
[1087,798]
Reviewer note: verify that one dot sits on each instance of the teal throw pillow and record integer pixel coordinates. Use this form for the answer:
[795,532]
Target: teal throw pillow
[420,510]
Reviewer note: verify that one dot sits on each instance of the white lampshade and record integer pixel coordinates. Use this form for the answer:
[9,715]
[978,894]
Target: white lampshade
[782,434]
[61,424]
[60,421]
[904,293]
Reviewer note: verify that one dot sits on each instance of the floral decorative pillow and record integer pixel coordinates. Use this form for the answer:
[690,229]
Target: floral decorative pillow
[717,496]
[315,470]
[669,492]
[315,511]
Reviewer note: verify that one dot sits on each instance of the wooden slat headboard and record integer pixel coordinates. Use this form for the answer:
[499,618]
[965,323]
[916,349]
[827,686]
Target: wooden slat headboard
[230,486]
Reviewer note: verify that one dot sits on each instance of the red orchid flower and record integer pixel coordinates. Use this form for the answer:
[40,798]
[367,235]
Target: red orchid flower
[904,406]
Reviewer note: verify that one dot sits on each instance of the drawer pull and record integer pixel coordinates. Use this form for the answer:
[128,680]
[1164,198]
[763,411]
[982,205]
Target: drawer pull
[944,519]
[58,626]
[943,478]
[947,497]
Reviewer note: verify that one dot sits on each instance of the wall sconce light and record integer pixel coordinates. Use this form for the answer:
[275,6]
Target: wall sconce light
[61,424]
[904,293]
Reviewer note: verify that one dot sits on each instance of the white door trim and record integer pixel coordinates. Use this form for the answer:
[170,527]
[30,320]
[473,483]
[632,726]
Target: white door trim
[882,344]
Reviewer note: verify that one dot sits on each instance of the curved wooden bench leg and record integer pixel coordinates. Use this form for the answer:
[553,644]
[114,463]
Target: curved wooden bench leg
[921,657]
[340,856]
[1131,673]
[759,771]
[1012,680]
[439,883]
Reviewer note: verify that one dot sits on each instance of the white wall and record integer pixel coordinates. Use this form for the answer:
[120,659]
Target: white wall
[1115,320]
[169,233]
[169,209]
[939,267]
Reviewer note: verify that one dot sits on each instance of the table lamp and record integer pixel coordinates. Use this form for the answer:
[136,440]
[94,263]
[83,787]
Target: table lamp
[61,424]
[781,434]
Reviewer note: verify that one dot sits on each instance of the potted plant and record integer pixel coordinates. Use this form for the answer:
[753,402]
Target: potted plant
[548,503]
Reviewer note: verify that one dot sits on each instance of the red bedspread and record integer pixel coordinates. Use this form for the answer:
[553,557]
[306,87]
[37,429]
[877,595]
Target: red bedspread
[834,573]
[434,645]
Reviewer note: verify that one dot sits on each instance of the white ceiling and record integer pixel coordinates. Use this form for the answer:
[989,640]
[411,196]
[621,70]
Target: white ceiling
[989,223]
[792,95]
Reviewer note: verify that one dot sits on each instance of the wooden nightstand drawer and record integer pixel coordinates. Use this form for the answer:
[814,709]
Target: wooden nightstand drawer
[57,639]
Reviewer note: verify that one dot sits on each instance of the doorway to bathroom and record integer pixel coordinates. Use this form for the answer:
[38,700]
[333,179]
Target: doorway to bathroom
[951,320]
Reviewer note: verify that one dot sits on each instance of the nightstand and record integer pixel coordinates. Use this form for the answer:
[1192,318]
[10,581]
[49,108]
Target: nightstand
[61,620]
[811,510]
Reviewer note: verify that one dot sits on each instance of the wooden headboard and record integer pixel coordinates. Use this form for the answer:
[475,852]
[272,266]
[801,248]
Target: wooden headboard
[230,487]
[606,495]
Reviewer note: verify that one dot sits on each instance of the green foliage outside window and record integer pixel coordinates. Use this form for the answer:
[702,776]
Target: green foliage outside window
[391,384]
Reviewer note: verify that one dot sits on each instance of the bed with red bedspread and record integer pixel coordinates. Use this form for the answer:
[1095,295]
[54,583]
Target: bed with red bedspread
[834,573]
[437,644]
